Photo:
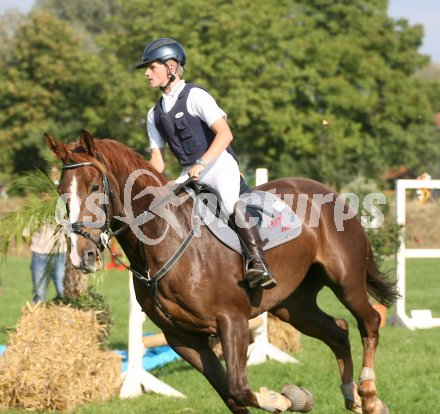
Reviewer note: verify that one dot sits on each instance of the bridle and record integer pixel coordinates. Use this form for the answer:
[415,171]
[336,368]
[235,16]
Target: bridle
[79,226]
[106,235]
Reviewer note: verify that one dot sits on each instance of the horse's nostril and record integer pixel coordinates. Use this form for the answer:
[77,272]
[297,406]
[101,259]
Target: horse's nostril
[90,256]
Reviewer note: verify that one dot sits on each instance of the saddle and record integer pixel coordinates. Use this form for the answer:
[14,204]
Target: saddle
[275,220]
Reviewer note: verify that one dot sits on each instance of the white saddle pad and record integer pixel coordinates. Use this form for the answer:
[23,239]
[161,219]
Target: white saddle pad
[278,224]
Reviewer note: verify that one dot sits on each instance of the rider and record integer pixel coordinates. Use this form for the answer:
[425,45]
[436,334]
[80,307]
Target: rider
[189,120]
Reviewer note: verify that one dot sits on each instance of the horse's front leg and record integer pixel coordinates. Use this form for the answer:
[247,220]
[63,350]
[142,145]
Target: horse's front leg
[234,337]
[196,350]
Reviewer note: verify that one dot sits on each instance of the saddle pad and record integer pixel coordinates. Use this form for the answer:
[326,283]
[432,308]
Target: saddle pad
[278,223]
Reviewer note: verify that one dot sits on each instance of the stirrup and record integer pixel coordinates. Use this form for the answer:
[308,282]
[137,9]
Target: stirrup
[259,276]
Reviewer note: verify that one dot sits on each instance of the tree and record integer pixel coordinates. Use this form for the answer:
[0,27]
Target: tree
[90,16]
[280,68]
[51,81]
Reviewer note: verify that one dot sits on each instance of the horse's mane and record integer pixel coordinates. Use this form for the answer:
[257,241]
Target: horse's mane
[120,158]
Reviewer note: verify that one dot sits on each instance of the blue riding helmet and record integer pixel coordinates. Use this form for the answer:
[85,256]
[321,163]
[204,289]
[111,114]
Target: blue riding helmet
[163,49]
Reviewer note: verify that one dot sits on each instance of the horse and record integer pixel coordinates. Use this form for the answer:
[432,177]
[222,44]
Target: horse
[194,289]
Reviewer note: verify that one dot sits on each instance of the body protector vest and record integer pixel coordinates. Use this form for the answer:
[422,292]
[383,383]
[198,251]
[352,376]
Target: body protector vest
[187,136]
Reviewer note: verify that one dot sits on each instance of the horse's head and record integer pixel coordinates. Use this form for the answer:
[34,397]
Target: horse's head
[84,188]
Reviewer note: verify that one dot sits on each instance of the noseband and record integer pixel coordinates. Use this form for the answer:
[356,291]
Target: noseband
[78,226]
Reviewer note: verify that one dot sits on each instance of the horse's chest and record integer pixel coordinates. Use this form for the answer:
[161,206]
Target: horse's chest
[171,309]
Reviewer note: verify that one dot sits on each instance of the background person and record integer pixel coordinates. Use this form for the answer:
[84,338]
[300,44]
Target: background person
[48,248]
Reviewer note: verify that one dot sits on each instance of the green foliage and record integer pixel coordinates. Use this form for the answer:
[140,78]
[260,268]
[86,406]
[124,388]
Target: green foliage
[39,208]
[90,16]
[384,241]
[52,80]
[278,68]
[93,301]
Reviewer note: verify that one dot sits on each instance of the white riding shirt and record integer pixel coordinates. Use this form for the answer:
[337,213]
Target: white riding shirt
[223,173]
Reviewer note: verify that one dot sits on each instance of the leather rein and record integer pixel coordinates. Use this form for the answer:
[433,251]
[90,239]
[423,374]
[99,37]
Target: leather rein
[107,234]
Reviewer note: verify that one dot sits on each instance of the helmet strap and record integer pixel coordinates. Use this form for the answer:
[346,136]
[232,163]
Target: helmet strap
[171,79]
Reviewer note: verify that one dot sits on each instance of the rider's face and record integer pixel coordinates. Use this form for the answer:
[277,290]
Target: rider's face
[157,74]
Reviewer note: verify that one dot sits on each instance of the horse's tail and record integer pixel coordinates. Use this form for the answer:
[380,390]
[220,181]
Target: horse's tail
[379,284]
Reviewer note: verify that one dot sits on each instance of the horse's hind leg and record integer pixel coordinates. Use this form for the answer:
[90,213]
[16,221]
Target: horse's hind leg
[302,311]
[368,321]
[196,350]
[352,292]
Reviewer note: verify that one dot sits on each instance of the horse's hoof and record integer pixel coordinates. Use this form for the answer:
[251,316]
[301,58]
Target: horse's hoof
[301,399]
[352,400]
[353,407]
[381,407]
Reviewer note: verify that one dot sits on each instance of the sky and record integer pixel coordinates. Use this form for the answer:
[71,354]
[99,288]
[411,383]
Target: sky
[425,12]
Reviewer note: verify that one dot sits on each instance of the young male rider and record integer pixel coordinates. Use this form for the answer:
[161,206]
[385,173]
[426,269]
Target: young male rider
[188,119]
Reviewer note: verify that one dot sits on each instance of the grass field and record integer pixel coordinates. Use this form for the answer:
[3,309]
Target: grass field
[407,362]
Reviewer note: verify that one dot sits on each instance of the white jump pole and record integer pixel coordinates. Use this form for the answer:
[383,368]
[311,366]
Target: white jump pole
[261,350]
[421,318]
[136,379]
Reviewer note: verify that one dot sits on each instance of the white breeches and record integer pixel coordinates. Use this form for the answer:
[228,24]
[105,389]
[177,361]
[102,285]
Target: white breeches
[223,175]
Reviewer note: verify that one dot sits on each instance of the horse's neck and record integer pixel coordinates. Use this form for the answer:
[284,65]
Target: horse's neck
[166,224]
[153,243]
[136,179]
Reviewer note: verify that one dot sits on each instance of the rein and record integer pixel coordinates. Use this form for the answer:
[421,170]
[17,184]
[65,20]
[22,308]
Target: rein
[107,234]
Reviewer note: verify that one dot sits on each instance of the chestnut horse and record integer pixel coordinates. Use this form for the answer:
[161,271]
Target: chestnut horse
[201,291]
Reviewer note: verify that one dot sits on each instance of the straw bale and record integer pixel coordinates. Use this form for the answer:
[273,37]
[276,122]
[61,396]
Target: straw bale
[54,361]
[283,335]
[280,334]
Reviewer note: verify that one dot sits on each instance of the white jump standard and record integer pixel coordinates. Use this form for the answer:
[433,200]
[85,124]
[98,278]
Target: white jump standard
[419,318]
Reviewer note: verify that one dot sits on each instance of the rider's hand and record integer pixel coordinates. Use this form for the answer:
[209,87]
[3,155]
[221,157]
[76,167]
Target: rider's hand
[195,171]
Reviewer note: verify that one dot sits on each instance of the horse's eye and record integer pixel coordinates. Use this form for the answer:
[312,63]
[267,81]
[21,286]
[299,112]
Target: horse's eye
[95,188]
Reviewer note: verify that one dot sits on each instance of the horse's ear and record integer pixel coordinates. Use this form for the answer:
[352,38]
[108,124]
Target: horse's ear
[87,142]
[58,148]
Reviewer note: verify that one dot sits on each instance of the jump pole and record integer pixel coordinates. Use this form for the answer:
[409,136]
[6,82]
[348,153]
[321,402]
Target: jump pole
[136,380]
[420,318]
[261,350]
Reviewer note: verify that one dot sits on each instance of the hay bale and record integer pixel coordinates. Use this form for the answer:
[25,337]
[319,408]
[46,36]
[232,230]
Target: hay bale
[283,335]
[280,334]
[54,361]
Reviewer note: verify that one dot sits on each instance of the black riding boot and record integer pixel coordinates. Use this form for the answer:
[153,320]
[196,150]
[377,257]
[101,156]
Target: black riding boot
[257,271]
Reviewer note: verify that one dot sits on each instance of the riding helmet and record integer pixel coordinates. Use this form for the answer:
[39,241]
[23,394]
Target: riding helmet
[162,50]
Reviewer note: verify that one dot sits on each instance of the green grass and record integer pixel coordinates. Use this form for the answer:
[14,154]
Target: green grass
[406,362]
[423,285]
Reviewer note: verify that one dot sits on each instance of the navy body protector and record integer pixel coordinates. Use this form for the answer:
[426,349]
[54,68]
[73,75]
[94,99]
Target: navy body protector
[187,136]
